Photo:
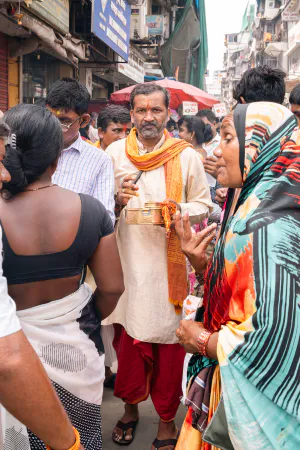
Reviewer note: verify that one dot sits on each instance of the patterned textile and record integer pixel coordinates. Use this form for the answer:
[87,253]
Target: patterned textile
[83,169]
[252,292]
[66,336]
[197,418]
[169,156]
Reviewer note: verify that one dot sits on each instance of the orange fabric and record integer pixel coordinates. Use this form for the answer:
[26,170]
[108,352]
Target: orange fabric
[168,211]
[97,144]
[86,140]
[190,438]
[168,155]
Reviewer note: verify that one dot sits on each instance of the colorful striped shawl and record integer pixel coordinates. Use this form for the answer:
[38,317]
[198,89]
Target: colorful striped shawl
[253,289]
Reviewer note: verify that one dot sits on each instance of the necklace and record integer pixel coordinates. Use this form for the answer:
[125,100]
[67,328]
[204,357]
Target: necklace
[39,188]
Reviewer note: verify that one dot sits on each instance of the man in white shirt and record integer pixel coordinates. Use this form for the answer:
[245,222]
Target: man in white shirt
[25,390]
[81,167]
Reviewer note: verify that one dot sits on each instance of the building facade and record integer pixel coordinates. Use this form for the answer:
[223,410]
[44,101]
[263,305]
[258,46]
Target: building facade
[271,37]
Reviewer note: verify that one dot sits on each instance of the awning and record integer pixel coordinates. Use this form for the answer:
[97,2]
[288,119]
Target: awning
[276,48]
[65,47]
[187,46]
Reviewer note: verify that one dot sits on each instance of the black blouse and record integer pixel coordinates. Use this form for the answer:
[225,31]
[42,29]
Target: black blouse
[95,223]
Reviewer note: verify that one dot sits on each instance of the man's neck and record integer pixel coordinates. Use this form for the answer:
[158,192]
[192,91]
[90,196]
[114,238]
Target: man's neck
[149,144]
[70,143]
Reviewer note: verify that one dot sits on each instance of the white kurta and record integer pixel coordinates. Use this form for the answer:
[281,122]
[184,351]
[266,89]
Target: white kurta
[144,309]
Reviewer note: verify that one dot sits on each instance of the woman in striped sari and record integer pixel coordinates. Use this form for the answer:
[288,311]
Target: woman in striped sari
[246,346]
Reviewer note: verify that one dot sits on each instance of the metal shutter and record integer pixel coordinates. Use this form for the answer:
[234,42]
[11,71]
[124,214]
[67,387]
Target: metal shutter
[3,73]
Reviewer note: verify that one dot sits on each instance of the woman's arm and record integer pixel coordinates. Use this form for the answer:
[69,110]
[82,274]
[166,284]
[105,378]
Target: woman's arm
[105,265]
[26,392]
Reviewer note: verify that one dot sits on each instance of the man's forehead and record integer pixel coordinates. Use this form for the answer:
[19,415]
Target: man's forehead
[61,111]
[156,98]
[119,124]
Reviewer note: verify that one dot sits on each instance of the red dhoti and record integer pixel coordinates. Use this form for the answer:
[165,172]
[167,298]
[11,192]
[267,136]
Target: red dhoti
[149,369]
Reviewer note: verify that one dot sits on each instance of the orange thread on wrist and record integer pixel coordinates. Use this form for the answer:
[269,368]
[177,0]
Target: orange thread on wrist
[76,445]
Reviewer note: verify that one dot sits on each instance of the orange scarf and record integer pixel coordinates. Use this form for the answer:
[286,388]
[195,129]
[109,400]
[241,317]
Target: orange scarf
[167,155]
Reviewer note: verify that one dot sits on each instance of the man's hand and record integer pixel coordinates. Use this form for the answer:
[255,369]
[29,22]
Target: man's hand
[127,190]
[210,166]
[221,194]
[194,245]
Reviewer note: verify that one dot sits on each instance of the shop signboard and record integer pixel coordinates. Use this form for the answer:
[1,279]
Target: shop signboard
[220,110]
[188,108]
[54,12]
[155,25]
[111,24]
[290,16]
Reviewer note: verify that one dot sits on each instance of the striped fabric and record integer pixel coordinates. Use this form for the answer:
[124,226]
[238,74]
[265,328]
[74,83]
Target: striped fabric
[84,169]
[253,291]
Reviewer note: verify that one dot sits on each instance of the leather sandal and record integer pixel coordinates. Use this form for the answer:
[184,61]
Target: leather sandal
[165,443]
[125,427]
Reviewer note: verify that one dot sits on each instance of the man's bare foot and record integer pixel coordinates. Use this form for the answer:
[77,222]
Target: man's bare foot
[131,415]
[166,431]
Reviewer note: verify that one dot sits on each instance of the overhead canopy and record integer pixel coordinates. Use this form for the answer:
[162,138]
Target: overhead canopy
[180,92]
[45,38]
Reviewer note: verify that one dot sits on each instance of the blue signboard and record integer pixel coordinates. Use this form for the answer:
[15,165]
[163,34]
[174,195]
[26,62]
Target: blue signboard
[111,24]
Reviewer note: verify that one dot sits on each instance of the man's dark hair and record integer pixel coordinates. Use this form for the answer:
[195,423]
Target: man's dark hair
[261,84]
[70,95]
[148,89]
[295,96]
[208,114]
[112,113]
[94,115]
[171,124]
[40,102]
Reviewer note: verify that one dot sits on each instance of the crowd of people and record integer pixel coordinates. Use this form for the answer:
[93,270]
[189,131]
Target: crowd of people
[203,310]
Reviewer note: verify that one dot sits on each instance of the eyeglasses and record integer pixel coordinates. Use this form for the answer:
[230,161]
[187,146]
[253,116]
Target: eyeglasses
[65,127]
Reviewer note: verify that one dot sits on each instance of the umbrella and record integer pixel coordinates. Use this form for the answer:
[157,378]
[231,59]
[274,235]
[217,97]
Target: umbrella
[180,92]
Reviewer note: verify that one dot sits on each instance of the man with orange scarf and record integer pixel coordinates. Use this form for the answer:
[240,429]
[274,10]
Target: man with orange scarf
[150,360]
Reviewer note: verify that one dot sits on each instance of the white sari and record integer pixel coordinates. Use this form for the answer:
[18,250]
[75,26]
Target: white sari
[66,336]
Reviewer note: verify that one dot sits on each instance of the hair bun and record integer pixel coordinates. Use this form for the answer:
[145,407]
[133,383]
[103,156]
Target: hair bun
[13,162]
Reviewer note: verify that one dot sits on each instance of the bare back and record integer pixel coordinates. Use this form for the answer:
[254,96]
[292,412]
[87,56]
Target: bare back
[42,222]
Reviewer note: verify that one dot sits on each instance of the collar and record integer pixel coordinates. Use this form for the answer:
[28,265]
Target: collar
[143,151]
[77,145]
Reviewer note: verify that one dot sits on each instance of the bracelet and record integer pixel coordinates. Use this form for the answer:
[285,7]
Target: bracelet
[76,446]
[202,342]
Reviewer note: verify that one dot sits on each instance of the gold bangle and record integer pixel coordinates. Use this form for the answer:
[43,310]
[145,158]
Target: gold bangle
[76,446]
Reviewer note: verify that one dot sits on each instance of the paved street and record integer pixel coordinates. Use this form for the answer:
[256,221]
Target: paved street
[112,410]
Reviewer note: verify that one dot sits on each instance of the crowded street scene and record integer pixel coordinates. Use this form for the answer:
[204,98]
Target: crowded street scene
[150,224]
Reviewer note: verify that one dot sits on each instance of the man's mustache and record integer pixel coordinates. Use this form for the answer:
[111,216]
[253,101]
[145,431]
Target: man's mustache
[155,124]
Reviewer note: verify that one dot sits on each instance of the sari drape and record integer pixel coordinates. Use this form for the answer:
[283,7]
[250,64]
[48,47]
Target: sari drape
[66,336]
[252,292]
